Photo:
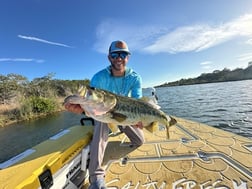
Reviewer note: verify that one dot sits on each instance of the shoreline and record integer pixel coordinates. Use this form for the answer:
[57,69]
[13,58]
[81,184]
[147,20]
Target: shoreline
[5,122]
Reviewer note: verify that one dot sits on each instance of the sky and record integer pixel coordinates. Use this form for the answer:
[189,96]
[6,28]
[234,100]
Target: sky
[168,39]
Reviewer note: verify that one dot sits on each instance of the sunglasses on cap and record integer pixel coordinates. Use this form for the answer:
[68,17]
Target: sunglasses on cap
[122,55]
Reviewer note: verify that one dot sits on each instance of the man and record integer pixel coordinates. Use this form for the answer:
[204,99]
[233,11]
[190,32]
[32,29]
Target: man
[121,80]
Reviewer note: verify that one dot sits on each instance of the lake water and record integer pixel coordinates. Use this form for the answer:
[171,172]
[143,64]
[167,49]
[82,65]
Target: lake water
[226,105]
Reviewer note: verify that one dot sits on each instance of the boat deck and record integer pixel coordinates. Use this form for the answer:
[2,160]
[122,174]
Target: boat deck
[196,156]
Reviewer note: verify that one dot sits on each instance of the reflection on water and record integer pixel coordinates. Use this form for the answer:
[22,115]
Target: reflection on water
[225,105]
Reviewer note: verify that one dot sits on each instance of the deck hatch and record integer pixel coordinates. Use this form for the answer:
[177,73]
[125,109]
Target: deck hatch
[45,179]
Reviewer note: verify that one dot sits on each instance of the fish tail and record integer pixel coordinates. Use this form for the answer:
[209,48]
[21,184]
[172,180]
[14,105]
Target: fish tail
[172,121]
[167,131]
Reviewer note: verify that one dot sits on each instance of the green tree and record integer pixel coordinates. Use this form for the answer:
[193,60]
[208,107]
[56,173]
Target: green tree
[10,86]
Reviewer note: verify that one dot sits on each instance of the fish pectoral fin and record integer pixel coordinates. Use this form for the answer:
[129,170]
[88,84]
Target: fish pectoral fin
[113,127]
[153,127]
[118,117]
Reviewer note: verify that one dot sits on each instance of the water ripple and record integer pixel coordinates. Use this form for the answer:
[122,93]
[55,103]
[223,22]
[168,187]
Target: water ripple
[226,105]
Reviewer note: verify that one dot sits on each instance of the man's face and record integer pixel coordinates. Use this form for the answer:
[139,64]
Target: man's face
[118,60]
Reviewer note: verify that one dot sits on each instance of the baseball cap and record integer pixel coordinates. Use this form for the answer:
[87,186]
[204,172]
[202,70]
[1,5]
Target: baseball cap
[119,46]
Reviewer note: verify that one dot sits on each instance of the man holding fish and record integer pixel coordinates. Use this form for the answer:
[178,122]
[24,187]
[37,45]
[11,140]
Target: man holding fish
[113,101]
[121,80]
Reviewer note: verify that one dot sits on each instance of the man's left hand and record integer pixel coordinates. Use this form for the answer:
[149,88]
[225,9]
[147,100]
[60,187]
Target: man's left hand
[139,125]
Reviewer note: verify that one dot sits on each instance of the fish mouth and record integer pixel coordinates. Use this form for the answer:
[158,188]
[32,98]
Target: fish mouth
[73,99]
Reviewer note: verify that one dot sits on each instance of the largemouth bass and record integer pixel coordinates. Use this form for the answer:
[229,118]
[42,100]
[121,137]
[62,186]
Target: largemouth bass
[115,110]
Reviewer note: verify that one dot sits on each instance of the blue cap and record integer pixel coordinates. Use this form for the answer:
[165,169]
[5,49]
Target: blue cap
[118,46]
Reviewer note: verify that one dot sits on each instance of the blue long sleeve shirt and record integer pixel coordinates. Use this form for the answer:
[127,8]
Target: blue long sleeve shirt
[128,85]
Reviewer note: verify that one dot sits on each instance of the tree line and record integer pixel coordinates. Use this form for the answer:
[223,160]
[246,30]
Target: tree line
[216,76]
[28,99]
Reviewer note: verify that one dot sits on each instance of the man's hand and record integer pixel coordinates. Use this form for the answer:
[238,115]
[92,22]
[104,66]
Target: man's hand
[75,108]
[139,125]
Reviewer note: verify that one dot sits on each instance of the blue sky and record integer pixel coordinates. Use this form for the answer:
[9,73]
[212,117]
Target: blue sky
[169,39]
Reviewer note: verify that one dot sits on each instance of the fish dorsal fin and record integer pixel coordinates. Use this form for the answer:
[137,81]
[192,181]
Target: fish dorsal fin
[118,117]
[150,101]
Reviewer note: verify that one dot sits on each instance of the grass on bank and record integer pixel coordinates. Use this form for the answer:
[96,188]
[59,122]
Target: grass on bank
[27,109]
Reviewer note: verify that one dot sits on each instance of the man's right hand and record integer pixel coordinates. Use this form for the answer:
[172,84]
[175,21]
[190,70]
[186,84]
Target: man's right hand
[75,108]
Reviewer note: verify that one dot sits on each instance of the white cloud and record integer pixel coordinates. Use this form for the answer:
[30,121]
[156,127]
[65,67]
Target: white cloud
[21,60]
[206,65]
[43,41]
[156,39]
[201,37]
[249,42]
[245,57]
[136,37]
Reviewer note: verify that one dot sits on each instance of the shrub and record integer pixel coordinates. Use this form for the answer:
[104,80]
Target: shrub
[36,104]
[42,105]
